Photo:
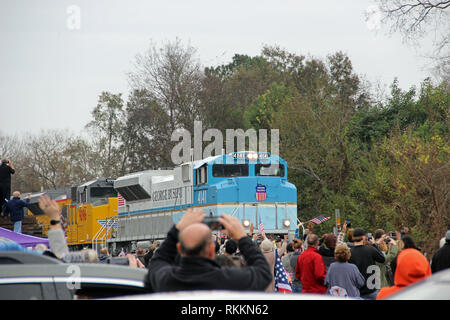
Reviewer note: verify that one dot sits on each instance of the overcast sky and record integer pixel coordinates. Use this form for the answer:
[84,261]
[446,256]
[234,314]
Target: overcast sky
[57,56]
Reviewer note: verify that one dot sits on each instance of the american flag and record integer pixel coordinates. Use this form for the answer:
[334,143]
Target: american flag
[261,228]
[121,200]
[320,219]
[63,223]
[281,277]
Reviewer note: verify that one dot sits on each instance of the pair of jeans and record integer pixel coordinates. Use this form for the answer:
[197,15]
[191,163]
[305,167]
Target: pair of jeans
[18,226]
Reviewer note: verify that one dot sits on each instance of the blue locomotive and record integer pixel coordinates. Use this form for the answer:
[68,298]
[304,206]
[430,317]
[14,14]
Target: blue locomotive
[252,186]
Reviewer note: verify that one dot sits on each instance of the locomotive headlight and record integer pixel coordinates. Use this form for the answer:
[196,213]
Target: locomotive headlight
[246,223]
[252,156]
[286,223]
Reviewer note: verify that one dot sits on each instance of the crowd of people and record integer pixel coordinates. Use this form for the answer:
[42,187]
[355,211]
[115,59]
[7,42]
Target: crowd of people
[353,263]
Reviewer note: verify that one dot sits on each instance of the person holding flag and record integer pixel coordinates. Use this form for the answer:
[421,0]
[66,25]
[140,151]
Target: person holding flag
[282,278]
[268,249]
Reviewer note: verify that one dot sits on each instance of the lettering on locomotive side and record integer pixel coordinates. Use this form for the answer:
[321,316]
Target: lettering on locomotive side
[167,194]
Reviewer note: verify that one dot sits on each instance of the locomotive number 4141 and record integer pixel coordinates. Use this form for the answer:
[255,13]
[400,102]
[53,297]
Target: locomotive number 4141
[201,196]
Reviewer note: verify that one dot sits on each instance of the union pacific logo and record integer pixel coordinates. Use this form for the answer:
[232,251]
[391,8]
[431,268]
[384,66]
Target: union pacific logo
[261,193]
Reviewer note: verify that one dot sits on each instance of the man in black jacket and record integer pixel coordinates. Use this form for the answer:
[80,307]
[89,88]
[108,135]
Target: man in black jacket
[197,270]
[15,209]
[441,259]
[365,258]
[6,170]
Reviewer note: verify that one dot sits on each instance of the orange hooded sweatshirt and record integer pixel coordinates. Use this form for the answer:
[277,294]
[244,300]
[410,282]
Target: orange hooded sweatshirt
[412,266]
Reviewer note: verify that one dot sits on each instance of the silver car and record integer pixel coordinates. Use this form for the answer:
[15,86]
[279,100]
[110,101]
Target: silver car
[60,281]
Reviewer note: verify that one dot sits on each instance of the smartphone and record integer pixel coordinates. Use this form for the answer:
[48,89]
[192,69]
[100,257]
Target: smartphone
[213,223]
[348,222]
[369,236]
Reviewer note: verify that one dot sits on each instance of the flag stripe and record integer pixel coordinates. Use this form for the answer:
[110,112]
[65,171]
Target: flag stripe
[120,200]
[320,219]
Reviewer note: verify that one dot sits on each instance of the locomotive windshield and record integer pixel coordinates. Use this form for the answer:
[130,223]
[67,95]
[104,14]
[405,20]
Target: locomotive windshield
[102,192]
[269,170]
[230,170]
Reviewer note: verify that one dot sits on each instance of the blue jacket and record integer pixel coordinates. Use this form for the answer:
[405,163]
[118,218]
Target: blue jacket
[13,246]
[15,208]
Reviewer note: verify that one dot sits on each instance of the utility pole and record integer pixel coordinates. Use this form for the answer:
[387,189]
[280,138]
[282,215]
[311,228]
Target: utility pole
[337,214]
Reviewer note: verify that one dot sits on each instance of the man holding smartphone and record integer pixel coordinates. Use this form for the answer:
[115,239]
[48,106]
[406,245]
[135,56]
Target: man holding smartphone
[197,269]
[6,170]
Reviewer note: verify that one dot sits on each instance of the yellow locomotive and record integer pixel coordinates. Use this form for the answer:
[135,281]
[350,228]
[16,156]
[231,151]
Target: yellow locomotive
[84,211]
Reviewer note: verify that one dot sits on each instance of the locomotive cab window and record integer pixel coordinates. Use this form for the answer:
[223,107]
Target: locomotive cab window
[102,192]
[269,170]
[230,170]
[202,175]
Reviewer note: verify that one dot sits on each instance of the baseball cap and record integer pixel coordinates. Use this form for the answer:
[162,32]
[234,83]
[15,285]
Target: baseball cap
[358,232]
[267,245]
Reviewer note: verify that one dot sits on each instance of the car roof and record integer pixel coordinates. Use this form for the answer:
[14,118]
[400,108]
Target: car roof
[66,270]
[18,257]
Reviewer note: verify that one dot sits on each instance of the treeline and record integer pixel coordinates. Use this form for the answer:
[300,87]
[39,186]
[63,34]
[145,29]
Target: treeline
[383,160]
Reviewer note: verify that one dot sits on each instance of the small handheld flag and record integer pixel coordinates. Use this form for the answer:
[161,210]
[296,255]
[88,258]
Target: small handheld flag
[320,219]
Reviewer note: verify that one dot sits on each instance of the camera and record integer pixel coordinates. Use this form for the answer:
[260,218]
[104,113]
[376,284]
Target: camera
[349,223]
[393,235]
[387,239]
[213,223]
[259,239]
[369,236]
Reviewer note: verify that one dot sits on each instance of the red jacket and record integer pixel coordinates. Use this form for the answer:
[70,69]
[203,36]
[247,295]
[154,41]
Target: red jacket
[311,271]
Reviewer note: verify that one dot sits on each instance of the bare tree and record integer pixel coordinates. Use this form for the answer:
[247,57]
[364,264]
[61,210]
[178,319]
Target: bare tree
[172,76]
[416,18]
[412,17]
[167,86]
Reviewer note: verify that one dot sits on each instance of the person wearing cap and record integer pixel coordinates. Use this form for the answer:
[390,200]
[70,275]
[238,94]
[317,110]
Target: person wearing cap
[412,267]
[365,258]
[268,249]
[441,259]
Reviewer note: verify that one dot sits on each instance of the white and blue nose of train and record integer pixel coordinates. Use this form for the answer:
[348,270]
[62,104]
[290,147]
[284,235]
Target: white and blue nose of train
[255,190]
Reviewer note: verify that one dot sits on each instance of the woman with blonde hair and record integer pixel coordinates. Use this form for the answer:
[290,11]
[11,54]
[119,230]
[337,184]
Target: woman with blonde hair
[343,278]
